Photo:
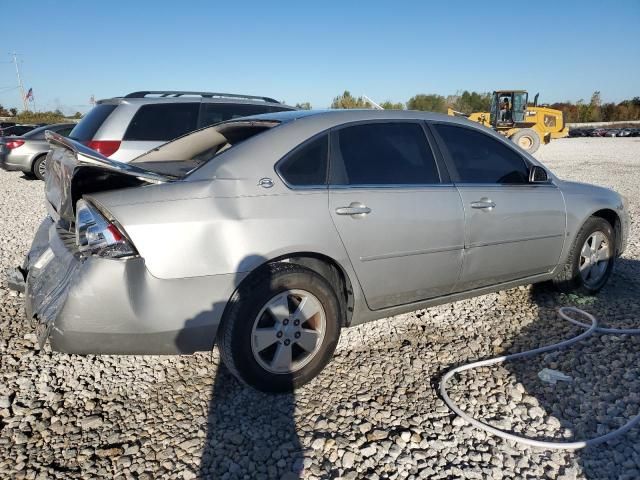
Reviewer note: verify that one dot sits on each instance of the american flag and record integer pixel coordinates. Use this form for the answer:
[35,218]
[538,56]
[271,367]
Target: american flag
[29,95]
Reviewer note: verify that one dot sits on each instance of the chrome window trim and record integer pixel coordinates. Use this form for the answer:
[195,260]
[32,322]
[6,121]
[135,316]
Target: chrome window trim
[549,184]
[386,186]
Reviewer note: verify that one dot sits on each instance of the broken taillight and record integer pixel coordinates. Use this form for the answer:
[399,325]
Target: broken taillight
[96,235]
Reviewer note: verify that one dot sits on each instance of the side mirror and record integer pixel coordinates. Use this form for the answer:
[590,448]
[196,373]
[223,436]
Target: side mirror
[538,174]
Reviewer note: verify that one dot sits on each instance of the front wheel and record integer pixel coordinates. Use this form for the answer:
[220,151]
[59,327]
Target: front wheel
[590,260]
[280,328]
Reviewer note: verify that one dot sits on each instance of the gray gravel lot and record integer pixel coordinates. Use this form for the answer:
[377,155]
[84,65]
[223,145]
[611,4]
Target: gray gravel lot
[373,413]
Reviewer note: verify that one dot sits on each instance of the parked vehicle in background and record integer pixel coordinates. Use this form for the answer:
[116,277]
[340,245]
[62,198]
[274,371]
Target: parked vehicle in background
[625,132]
[598,132]
[16,130]
[577,132]
[265,233]
[27,153]
[123,128]
[612,132]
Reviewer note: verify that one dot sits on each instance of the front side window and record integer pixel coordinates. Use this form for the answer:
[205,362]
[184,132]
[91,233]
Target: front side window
[383,154]
[162,122]
[307,165]
[478,158]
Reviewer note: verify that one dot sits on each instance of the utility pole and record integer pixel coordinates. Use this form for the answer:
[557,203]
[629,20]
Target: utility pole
[24,100]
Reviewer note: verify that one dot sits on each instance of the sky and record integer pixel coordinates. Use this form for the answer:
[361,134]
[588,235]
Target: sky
[312,51]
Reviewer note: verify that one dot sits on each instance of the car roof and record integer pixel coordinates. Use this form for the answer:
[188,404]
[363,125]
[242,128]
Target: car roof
[335,117]
[175,96]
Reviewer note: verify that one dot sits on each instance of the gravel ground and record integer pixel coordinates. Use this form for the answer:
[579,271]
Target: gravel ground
[373,413]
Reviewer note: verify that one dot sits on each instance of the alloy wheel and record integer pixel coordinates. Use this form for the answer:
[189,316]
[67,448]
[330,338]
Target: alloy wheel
[594,258]
[288,331]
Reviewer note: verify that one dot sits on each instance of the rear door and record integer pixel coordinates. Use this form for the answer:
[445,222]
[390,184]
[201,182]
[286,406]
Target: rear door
[401,224]
[155,124]
[514,229]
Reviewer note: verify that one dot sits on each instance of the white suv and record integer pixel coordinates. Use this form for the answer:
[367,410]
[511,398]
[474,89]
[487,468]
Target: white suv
[123,128]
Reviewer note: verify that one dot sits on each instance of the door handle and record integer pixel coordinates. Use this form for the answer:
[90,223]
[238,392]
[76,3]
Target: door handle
[355,209]
[483,203]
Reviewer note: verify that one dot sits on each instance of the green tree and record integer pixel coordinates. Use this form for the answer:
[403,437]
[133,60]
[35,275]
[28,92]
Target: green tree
[346,100]
[304,106]
[389,105]
[77,115]
[427,102]
[595,104]
[13,111]
[469,102]
[3,112]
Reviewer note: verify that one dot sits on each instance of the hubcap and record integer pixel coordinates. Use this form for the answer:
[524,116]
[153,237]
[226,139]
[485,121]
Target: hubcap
[288,331]
[42,168]
[525,142]
[594,258]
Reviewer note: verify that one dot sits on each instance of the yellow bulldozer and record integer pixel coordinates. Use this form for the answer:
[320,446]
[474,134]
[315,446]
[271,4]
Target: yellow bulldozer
[512,116]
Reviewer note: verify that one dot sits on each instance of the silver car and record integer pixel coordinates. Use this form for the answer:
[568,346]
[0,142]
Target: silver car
[27,153]
[268,234]
[122,128]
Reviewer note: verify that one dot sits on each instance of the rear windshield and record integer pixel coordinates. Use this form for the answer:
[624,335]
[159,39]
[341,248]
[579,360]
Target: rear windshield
[89,125]
[182,156]
[163,121]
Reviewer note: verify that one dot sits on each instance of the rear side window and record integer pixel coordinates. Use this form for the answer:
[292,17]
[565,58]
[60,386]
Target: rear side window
[91,122]
[163,122]
[306,165]
[383,154]
[478,158]
[219,112]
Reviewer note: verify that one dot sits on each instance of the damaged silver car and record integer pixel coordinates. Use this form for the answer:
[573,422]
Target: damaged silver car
[267,235]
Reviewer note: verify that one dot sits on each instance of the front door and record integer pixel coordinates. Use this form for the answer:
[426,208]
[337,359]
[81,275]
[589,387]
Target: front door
[513,229]
[402,227]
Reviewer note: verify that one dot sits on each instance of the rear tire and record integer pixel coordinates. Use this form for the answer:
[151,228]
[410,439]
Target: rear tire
[585,271]
[263,324]
[527,139]
[39,167]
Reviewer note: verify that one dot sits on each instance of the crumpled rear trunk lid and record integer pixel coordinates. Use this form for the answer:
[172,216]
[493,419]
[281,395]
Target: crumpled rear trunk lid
[73,169]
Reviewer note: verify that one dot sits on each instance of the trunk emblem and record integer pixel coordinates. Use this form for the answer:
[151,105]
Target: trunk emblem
[265,182]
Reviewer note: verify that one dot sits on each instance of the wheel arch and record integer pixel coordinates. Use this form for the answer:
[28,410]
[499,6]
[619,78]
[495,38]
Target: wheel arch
[613,218]
[322,264]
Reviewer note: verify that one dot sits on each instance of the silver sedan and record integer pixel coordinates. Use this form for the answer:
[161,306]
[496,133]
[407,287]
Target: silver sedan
[28,153]
[267,235]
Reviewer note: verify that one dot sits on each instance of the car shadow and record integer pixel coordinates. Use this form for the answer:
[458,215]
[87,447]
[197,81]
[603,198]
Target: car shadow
[603,392]
[249,434]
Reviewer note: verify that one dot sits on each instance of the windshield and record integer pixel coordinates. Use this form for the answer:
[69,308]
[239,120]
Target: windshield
[181,156]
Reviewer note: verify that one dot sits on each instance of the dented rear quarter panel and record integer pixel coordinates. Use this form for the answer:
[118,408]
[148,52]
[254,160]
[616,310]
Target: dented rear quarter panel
[191,229]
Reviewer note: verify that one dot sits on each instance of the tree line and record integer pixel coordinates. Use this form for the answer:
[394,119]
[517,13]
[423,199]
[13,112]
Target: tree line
[598,111]
[468,102]
[55,116]
[465,102]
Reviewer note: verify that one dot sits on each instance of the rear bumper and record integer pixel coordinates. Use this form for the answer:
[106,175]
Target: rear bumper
[91,305]
[11,161]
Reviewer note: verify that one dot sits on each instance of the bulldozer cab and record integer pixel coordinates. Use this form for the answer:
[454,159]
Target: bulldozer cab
[508,107]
